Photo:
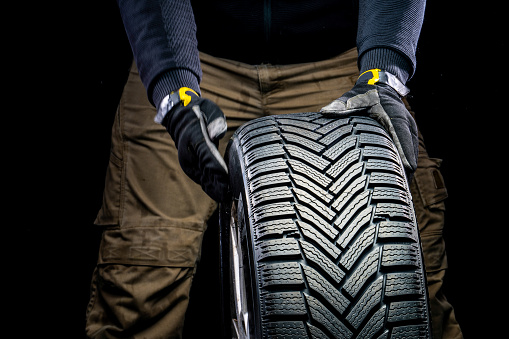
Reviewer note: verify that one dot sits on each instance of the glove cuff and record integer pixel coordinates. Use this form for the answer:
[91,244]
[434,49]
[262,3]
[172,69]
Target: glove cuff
[173,99]
[374,76]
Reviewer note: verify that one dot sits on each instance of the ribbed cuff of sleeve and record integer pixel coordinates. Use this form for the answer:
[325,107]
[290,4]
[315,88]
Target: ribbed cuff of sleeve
[172,81]
[387,60]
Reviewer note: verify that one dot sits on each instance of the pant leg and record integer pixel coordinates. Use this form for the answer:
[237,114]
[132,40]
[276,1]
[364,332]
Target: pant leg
[134,301]
[428,193]
[154,217]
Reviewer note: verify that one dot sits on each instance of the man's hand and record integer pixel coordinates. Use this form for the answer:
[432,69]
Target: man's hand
[378,94]
[196,125]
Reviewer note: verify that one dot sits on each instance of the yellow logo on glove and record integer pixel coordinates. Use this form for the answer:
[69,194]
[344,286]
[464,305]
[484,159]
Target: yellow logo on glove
[375,78]
[184,97]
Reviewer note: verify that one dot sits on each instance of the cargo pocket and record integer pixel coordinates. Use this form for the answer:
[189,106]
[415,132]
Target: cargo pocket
[430,182]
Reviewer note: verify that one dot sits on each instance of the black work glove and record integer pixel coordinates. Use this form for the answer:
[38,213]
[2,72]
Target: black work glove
[196,125]
[378,94]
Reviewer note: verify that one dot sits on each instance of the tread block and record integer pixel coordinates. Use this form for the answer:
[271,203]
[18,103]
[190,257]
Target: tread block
[271,165]
[275,227]
[312,234]
[303,142]
[405,283]
[390,194]
[308,200]
[324,317]
[310,173]
[364,120]
[320,285]
[280,274]
[307,157]
[302,122]
[367,268]
[337,150]
[400,255]
[269,180]
[277,210]
[406,310]
[376,165]
[260,140]
[254,128]
[349,192]
[374,324]
[397,230]
[359,203]
[387,180]
[316,333]
[411,331]
[329,124]
[313,218]
[342,182]
[286,329]
[348,160]
[283,303]
[368,126]
[338,134]
[269,151]
[315,256]
[360,221]
[300,131]
[389,210]
[372,152]
[270,195]
[312,187]
[376,139]
[365,240]
[366,302]
[277,248]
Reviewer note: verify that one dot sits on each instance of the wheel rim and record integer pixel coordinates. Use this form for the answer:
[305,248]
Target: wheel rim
[240,313]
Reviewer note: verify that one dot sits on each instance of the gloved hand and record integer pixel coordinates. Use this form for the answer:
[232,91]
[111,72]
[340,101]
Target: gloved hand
[196,125]
[378,94]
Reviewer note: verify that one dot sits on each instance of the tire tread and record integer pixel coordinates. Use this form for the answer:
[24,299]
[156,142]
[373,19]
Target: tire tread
[337,251]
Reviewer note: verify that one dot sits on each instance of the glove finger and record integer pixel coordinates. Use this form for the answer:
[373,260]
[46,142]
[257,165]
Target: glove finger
[202,166]
[213,172]
[215,184]
[214,119]
[189,163]
[408,142]
[211,147]
[343,112]
[335,106]
[217,129]
[353,101]
[393,115]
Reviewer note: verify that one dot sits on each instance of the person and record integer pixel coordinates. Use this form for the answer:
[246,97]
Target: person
[201,70]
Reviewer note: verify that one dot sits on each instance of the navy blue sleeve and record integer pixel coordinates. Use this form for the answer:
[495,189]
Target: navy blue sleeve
[162,34]
[387,35]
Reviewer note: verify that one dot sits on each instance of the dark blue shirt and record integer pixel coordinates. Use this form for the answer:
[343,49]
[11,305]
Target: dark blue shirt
[165,35]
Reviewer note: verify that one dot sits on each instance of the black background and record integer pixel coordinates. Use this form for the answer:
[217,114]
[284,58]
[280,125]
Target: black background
[65,74]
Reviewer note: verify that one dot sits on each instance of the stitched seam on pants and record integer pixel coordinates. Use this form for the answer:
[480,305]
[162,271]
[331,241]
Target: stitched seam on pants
[152,246]
[123,169]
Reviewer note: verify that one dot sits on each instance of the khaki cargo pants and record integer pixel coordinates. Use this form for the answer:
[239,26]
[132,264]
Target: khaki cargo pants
[154,216]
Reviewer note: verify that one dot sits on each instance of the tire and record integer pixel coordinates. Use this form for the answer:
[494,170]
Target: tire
[319,238]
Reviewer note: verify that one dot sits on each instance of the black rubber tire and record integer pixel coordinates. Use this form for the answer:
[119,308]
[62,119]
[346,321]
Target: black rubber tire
[326,231]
